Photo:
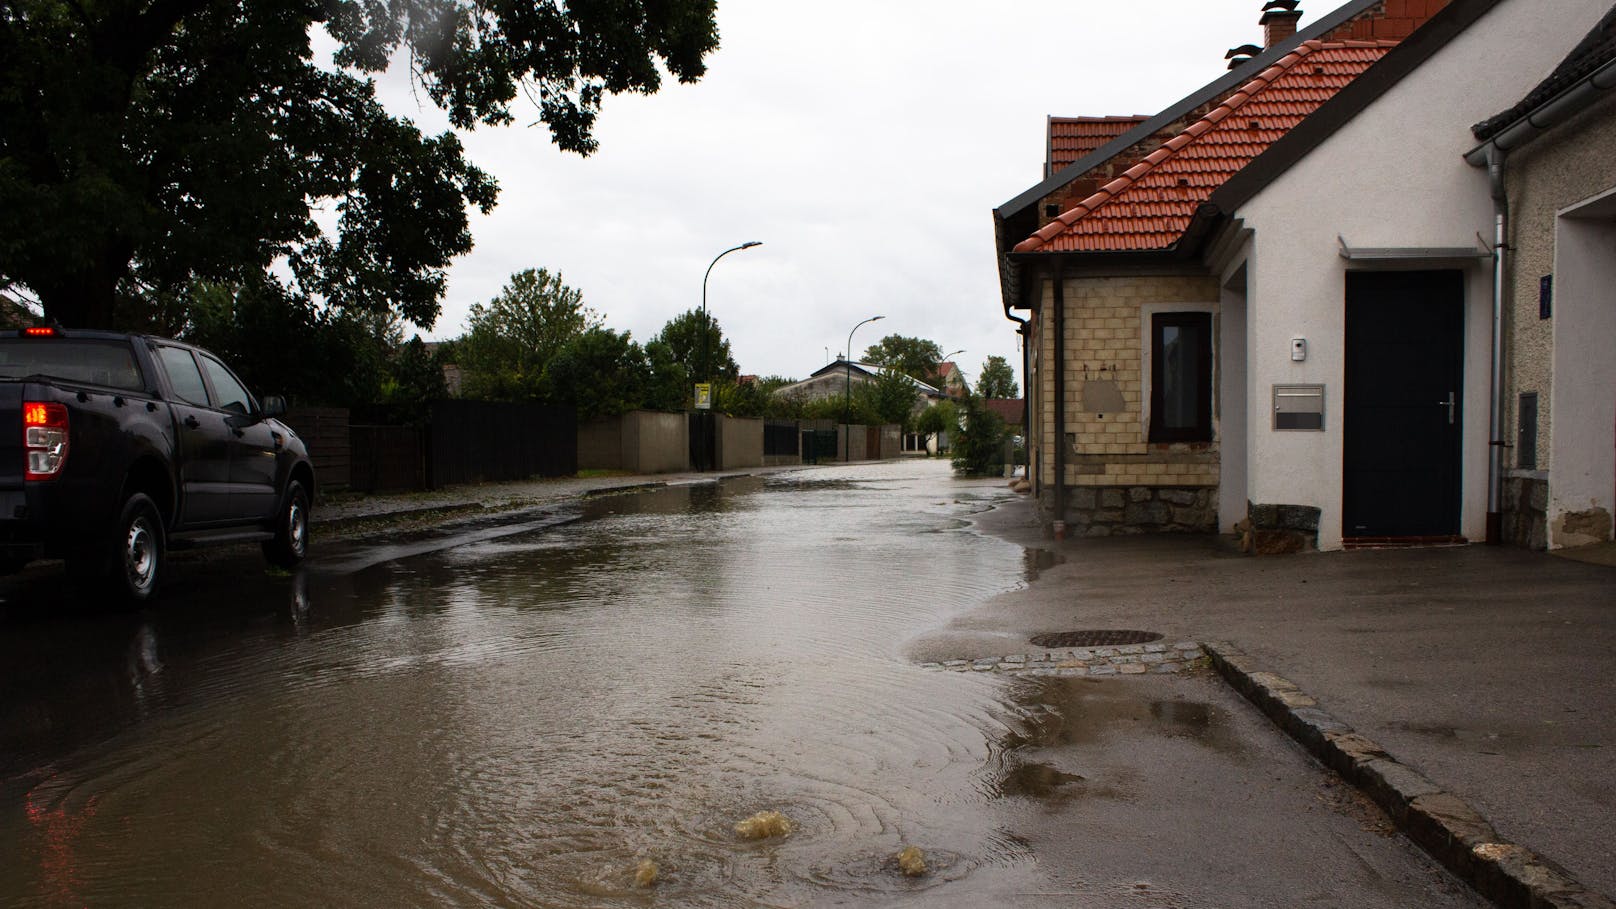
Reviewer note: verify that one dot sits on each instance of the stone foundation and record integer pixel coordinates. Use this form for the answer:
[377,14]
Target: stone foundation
[1525,512]
[1279,529]
[1103,511]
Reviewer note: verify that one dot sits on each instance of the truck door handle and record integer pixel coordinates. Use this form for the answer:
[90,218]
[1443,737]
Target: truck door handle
[1449,404]
[192,422]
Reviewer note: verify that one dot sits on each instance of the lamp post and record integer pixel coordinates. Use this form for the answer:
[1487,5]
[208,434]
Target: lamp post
[940,363]
[704,324]
[847,396]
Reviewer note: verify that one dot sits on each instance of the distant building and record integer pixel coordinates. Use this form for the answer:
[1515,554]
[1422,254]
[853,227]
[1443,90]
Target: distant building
[835,379]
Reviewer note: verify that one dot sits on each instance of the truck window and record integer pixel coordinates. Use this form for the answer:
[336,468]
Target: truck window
[107,363]
[231,395]
[183,375]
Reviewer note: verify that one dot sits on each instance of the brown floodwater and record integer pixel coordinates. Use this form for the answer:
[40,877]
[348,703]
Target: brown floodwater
[523,711]
[522,718]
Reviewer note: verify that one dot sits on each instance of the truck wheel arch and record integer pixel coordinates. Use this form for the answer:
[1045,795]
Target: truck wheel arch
[147,475]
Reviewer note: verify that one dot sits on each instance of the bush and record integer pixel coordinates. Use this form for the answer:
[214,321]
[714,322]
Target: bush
[979,445]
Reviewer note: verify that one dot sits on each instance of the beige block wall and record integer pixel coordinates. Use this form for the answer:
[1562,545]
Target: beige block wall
[1104,340]
[1566,166]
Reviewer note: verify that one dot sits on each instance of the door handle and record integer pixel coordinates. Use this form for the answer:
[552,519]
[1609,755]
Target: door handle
[1449,404]
[192,422]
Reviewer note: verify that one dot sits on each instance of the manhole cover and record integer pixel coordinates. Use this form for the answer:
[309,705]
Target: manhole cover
[1102,638]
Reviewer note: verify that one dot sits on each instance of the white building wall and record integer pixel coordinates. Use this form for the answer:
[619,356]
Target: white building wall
[1392,177]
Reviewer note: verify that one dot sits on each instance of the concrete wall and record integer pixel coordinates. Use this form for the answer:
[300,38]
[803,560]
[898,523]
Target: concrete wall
[640,441]
[1392,177]
[891,441]
[656,442]
[1561,221]
[739,443]
[851,442]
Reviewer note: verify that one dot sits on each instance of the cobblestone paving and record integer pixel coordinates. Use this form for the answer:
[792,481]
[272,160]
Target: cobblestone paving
[1132,659]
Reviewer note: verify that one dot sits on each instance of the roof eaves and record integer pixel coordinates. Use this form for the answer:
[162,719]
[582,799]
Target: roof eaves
[1593,53]
[1205,94]
[1347,103]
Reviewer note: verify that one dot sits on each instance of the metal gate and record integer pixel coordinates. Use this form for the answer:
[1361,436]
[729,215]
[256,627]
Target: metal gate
[703,433]
[818,445]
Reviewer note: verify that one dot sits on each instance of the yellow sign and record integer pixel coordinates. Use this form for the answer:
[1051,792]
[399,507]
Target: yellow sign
[704,396]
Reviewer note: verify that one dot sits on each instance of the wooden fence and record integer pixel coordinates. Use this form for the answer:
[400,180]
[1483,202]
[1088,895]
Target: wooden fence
[464,442]
[479,441]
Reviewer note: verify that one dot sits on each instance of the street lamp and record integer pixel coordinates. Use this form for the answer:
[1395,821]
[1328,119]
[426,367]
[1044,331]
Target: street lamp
[847,396]
[704,324]
[941,361]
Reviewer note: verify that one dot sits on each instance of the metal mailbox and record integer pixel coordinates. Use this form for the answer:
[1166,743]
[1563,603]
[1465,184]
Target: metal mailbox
[1299,408]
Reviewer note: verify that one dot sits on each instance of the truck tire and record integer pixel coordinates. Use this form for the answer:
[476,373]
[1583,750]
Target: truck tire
[138,552]
[291,542]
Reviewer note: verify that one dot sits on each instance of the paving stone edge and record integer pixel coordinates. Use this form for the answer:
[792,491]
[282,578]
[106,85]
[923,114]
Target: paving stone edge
[1441,823]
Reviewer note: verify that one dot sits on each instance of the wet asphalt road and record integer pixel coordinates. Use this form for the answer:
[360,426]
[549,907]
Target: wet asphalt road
[520,711]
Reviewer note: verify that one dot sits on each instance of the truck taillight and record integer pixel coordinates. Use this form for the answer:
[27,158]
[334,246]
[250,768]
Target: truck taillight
[44,439]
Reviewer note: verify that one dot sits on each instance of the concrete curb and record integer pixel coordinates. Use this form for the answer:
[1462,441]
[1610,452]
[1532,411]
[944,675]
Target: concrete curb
[612,490]
[425,511]
[1439,822]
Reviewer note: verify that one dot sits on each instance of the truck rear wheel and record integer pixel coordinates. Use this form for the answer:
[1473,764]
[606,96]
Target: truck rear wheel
[291,542]
[139,557]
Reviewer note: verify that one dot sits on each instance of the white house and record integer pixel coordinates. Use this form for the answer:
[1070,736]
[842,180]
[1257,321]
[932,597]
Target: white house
[1273,305]
[1355,257]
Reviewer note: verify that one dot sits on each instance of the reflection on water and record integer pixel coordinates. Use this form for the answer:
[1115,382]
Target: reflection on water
[525,717]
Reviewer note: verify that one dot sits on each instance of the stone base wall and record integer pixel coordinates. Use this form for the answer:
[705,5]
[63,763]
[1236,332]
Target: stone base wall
[1526,507]
[1279,529]
[1119,510]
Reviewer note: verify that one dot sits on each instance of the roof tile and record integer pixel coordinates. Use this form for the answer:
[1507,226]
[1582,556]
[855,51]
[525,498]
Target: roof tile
[1152,203]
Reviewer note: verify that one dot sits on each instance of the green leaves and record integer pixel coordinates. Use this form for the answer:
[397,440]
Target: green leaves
[513,338]
[147,146]
[915,357]
[997,380]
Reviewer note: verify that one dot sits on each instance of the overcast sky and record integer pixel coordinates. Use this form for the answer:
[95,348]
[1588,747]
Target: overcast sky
[864,143]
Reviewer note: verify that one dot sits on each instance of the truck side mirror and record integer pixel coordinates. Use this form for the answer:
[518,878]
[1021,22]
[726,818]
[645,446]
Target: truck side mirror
[274,406]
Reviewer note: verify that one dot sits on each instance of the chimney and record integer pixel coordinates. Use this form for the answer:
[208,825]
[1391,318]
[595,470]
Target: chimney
[1279,20]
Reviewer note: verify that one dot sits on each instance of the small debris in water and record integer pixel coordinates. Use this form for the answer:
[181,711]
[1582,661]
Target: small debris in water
[912,862]
[645,874]
[763,825]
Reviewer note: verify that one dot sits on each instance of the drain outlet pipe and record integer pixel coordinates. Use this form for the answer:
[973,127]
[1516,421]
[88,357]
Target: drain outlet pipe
[1495,444]
[1060,402]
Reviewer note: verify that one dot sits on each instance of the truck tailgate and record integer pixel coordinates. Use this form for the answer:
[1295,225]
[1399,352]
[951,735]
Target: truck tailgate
[11,459]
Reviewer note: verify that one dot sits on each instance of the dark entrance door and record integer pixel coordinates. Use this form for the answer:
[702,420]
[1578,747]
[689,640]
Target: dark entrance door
[1403,411]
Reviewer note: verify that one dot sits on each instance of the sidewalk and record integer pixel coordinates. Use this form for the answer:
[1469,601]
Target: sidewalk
[1489,671]
[346,509]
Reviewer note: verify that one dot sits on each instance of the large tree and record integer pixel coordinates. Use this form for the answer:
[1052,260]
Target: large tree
[997,379]
[915,357]
[512,339]
[690,348]
[602,373]
[148,144]
[892,397]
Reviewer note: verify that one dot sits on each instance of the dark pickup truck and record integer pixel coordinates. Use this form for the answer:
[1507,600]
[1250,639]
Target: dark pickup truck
[122,447]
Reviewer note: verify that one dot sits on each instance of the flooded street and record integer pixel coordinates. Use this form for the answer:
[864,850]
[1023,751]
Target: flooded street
[522,713]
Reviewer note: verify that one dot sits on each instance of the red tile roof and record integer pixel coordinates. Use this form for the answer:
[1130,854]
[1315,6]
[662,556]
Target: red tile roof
[1010,410]
[1073,138]
[1149,206]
